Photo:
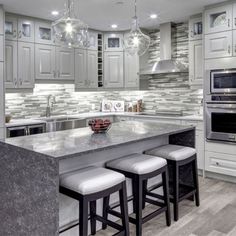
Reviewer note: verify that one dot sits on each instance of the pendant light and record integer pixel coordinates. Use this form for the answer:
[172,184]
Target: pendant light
[69,30]
[136,42]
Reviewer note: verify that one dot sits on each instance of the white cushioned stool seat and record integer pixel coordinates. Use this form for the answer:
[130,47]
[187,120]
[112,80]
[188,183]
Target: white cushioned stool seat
[173,152]
[91,180]
[137,163]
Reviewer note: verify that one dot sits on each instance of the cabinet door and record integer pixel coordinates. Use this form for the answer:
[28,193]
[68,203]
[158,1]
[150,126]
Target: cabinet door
[43,32]
[45,62]
[25,30]
[92,62]
[65,63]
[218,19]
[11,64]
[11,27]
[114,70]
[131,67]
[195,28]
[234,16]
[196,62]
[25,65]
[234,43]
[81,68]
[113,42]
[218,45]
[93,40]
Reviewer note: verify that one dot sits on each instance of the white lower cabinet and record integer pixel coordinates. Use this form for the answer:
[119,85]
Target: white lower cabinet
[218,45]
[220,158]
[114,70]
[19,65]
[200,149]
[196,62]
[131,67]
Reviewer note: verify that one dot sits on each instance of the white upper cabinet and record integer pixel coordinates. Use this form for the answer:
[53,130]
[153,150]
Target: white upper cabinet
[218,45]
[113,42]
[81,68]
[43,32]
[26,65]
[11,79]
[65,59]
[25,30]
[92,68]
[196,62]
[11,31]
[218,19]
[93,40]
[114,70]
[195,28]
[131,71]
[45,66]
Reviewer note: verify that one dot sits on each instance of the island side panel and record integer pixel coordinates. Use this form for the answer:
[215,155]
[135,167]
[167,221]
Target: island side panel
[29,198]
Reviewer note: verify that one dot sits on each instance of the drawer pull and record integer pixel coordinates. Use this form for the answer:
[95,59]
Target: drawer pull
[229,49]
[228,22]
[217,163]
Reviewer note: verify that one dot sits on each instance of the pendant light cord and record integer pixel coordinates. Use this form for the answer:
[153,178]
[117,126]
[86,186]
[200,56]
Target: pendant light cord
[135,7]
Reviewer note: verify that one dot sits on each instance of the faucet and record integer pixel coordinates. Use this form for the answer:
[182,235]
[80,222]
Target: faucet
[51,100]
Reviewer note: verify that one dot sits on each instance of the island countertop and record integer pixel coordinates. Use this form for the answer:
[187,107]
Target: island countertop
[66,144]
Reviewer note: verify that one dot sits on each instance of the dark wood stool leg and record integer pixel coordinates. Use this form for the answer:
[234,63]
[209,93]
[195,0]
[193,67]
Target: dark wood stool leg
[165,180]
[195,179]
[124,208]
[106,201]
[176,190]
[138,184]
[134,191]
[93,209]
[83,217]
[144,192]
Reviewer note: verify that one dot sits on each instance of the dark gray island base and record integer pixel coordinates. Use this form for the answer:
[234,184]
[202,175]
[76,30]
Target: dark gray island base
[30,168]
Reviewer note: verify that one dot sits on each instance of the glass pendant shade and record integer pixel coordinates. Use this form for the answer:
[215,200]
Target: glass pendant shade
[136,42]
[69,30]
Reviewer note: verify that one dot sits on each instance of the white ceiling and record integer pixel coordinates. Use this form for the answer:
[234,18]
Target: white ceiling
[100,14]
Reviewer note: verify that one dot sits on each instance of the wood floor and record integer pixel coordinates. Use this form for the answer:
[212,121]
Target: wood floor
[215,217]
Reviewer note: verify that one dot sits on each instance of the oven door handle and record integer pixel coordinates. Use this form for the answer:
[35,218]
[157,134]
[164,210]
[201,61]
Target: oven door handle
[222,106]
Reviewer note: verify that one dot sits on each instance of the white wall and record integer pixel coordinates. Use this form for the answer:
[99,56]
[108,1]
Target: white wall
[2,90]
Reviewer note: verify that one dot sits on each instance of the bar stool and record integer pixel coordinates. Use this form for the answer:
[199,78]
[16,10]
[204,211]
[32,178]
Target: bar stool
[90,184]
[177,157]
[139,168]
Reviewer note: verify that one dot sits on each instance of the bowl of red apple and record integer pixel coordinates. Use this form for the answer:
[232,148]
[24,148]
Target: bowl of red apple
[99,125]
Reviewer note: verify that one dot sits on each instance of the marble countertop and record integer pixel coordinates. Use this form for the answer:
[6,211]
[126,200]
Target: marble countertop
[33,121]
[69,143]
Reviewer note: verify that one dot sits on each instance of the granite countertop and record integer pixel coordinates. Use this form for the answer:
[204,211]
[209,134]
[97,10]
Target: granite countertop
[69,143]
[33,121]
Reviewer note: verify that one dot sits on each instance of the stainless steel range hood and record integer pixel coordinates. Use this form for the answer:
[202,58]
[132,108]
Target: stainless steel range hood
[166,64]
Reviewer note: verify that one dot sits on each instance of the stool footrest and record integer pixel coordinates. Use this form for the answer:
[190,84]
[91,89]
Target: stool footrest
[110,223]
[153,214]
[153,202]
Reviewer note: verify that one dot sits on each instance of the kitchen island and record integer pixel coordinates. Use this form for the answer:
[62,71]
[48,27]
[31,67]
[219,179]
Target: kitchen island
[31,165]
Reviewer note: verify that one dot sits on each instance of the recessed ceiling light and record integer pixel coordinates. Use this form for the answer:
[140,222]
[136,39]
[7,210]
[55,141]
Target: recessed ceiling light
[114,26]
[55,13]
[153,16]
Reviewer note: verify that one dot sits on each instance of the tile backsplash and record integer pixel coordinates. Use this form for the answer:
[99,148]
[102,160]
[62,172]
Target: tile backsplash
[27,105]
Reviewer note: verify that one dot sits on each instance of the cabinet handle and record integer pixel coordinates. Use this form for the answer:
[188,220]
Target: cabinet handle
[20,81]
[228,22]
[58,74]
[54,74]
[217,163]
[229,49]
[19,34]
[235,48]
[192,35]
[234,21]
[14,34]
[15,82]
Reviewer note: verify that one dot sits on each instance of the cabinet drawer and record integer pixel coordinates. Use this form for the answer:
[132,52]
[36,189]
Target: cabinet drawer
[221,148]
[220,163]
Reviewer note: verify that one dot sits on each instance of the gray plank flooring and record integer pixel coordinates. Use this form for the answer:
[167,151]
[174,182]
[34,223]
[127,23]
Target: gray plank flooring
[215,217]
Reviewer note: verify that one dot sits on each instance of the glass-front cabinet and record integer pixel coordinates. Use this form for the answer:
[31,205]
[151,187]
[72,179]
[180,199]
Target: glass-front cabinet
[113,42]
[218,19]
[43,32]
[195,28]
[11,27]
[25,30]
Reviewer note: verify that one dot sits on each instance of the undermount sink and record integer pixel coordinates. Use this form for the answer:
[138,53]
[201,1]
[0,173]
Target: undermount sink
[63,123]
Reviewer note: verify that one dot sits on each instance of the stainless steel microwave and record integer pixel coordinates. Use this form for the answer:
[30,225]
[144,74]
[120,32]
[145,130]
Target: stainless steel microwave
[222,81]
